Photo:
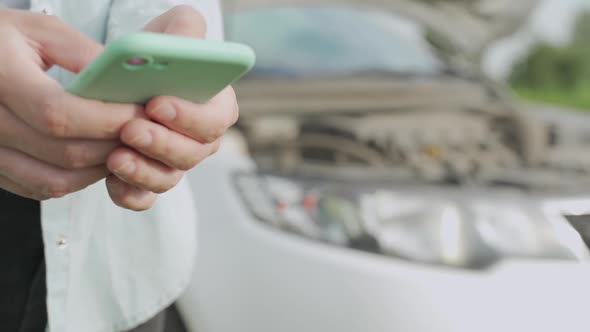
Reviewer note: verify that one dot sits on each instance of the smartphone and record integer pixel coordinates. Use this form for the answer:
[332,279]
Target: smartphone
[140,66]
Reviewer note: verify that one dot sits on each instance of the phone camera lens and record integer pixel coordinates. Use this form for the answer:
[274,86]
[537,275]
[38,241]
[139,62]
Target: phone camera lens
[137,61]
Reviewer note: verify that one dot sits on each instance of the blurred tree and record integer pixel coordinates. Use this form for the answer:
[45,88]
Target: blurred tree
[549,67]
[558,74]
[582,32]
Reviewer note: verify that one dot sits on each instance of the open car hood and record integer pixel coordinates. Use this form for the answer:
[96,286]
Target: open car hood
[466,26]
[360,96]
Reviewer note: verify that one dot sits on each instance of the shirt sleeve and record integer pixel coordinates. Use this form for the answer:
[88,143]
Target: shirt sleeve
[129,16]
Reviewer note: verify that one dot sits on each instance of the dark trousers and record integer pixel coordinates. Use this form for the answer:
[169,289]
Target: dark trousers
[23,290]
[22,267]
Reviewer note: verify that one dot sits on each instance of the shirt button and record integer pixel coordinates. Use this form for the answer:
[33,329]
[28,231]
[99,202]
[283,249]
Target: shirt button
[47,10]
[62,243]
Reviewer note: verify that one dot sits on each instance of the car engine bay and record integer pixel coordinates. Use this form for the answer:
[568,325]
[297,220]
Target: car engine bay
[393,183]
[433,146]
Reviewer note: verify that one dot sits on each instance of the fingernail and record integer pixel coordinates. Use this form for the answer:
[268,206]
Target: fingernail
[142,140]
[126,169]
[164,113]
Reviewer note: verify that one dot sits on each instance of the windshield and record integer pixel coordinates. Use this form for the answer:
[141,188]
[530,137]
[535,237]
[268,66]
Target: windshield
[333,42]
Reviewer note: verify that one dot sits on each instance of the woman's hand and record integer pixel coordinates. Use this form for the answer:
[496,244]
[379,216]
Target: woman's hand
[51,142]
[179,136]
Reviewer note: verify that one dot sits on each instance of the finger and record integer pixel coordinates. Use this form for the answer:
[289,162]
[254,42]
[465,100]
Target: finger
[69,154]
[57,113]
[139,171]
[181,20]
[13,187]
[42,178]
[43,104]
[203,122]
[169,147]
[129,197]
[58,42]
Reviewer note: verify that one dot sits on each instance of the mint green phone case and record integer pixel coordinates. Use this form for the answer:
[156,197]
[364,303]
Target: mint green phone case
[140,66]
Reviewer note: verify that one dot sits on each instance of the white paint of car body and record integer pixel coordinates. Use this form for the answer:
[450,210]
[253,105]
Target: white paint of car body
[250,277]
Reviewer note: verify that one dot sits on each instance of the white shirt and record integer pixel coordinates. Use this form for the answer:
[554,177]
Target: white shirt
[110,269]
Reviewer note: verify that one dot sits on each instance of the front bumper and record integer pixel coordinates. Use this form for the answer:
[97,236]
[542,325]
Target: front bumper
[251,277]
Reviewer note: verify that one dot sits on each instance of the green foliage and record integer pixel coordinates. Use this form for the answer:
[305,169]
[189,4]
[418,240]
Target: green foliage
[558,75]
[582,34]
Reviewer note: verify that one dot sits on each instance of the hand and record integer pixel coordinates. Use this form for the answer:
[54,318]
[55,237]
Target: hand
[180,135]
[51,143]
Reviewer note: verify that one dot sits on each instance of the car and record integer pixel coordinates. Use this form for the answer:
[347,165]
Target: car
[374,184]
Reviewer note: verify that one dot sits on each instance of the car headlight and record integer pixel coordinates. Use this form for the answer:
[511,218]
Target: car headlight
[467,232]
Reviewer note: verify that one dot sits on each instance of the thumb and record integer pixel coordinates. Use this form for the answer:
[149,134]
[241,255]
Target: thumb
[60,44]
[181,20]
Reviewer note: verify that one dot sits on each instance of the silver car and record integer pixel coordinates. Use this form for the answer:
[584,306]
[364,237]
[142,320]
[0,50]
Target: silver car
[376,183]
